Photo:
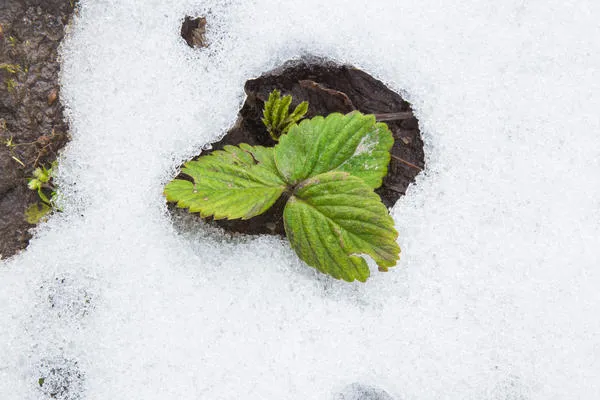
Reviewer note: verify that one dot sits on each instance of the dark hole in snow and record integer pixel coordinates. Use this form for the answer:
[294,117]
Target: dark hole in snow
[193,30]
[66,298]
[328,88]
[511,387]
[357,391]
[60,378]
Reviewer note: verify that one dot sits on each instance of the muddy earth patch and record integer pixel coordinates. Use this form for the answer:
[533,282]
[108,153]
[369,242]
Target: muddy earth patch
[32,125]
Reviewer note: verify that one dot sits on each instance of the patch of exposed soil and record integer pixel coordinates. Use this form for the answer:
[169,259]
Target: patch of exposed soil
[328,88]
[193,31]
[31,117]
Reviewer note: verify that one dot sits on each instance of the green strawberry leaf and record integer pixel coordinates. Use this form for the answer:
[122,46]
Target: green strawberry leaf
[333,218]
[353,143]
[236,182]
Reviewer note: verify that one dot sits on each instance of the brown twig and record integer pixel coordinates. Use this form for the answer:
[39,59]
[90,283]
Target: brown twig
[394,116]
[44,143]
[403,161]
[396,189]
[312,85]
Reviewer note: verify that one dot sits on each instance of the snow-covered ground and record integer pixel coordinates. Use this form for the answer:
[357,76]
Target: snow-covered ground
[496,295]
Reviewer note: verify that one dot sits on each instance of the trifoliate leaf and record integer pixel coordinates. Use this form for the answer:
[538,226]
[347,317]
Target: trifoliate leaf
[333,218]
[237,182]
[353,143]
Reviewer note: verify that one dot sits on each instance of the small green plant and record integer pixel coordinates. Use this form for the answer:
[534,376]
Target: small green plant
[10,68]
[327,168]
[276,114]
[11,84]
[11,148]
[41,182]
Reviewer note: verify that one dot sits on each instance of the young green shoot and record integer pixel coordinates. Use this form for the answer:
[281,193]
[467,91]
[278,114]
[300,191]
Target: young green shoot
[11,84]
[10,68]
[41,182]
[277,117]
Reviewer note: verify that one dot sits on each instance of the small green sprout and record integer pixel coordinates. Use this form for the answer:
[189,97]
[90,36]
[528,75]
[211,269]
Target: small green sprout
[9,142]
[277,117]
[34,184]
[37,212]
[12,41]
[326,168]
[10,68]
[41,182]
[43,174]
[11,84]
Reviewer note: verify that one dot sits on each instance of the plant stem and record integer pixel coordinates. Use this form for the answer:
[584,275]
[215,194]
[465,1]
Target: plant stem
[403,161]
[394,116]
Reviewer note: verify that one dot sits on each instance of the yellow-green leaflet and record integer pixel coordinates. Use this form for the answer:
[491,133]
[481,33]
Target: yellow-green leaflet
[354,143]
[333,218]
[237,182]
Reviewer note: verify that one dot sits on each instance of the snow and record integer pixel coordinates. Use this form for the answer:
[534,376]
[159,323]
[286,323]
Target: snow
[495,297]
[367,144]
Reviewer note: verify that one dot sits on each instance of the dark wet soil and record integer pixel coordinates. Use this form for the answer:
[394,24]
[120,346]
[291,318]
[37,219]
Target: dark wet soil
[31,116]
[193,31]
[328,88]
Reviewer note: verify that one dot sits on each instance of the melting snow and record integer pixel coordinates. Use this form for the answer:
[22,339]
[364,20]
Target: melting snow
[366,144]
[495,297]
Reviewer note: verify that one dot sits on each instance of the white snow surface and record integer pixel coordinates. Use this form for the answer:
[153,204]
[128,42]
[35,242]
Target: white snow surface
[495,296]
